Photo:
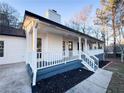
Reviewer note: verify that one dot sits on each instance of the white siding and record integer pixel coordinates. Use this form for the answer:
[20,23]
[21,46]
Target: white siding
[74,43]
[54,43]
[14,49]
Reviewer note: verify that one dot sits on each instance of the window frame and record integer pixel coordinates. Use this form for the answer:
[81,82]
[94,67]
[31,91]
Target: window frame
[70,45]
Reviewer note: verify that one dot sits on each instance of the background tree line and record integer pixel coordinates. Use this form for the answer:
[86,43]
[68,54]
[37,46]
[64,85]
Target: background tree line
[9,16]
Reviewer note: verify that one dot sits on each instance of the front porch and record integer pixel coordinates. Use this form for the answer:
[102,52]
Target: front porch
[50,46]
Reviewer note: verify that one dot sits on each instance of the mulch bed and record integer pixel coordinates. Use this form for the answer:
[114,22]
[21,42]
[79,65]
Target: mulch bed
[103,63]
[62,82]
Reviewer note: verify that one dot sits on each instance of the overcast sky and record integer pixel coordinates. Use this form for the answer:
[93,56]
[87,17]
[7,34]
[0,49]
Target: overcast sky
[67,8]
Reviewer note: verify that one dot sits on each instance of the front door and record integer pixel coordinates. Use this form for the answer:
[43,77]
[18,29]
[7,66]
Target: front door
[70,48]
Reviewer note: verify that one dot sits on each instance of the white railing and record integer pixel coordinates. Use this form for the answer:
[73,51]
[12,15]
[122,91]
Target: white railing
[48,59]
[32,60]
[89,62]
[96,60]
[95,51]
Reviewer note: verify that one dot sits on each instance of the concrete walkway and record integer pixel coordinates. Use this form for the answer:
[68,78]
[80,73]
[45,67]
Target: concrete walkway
[97,83]
[14,79]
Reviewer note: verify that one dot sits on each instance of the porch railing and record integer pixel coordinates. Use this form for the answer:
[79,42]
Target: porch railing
[89,62]
[48,59]
[95,51]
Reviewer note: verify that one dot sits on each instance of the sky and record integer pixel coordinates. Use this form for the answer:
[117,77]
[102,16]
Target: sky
[66,8]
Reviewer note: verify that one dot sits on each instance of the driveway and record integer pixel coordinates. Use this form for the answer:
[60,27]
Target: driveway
[14,78]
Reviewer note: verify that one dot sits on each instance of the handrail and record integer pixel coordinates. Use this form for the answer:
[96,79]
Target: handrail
[87,56]
[96,59]
[93,57]
[89,61]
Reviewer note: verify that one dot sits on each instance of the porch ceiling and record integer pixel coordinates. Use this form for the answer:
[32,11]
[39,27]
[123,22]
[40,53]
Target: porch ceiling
[48,28]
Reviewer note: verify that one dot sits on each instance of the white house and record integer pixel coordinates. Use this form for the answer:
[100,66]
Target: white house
[49,47]
[12,45]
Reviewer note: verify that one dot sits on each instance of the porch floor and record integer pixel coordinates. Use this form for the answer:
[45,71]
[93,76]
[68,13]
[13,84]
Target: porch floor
[62,82]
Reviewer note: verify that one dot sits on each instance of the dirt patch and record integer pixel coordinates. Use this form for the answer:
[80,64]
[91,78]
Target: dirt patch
[62,82]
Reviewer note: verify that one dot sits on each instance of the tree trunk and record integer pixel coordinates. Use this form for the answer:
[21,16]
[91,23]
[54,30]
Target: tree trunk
[122,56]
[114,34]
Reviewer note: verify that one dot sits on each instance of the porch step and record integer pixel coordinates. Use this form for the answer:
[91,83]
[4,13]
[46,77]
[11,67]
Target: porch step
[51,71]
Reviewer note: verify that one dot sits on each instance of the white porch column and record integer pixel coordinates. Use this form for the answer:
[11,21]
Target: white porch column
[27,47]
[79,47]
[85,45]
[34,56]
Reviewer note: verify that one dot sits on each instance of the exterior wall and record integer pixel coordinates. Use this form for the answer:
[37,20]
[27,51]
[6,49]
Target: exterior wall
[52,46]
[66,43]
[54,43]
[14,49]
[44,41]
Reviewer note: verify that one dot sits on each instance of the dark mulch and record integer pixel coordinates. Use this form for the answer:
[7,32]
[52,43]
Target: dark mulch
[62,82]
[103,63]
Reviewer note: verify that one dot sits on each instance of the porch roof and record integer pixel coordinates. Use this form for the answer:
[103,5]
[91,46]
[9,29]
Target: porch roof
[27,13]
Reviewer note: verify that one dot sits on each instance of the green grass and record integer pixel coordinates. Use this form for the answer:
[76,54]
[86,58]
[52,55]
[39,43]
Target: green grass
[116,84]
[121,68]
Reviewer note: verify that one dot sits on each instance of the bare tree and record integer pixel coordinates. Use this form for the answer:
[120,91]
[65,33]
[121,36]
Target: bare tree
[101,20]
[120,28]
[111,9]
[8,15]
[79,21]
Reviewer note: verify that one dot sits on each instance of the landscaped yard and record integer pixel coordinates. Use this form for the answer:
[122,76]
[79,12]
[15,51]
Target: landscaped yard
[117,82]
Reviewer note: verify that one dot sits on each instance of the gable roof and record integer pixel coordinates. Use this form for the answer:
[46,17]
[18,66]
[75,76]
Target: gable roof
[10,31]
[27,13]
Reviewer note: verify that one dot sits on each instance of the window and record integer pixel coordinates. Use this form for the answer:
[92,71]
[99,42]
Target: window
[70,45]
[39,44]
[99,46]
[1,48]
[63,45]
[90,46]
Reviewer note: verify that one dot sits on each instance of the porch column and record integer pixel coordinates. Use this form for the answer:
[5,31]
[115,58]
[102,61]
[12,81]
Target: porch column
[79,47]
[27,47]
[34,55]
[85,45]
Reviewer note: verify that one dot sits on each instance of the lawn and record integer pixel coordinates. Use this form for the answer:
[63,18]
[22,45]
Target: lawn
[117,82]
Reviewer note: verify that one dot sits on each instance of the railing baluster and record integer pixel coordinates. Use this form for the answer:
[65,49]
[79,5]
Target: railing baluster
[47,59]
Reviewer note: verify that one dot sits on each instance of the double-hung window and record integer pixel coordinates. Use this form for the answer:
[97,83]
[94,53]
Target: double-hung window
[1,48]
